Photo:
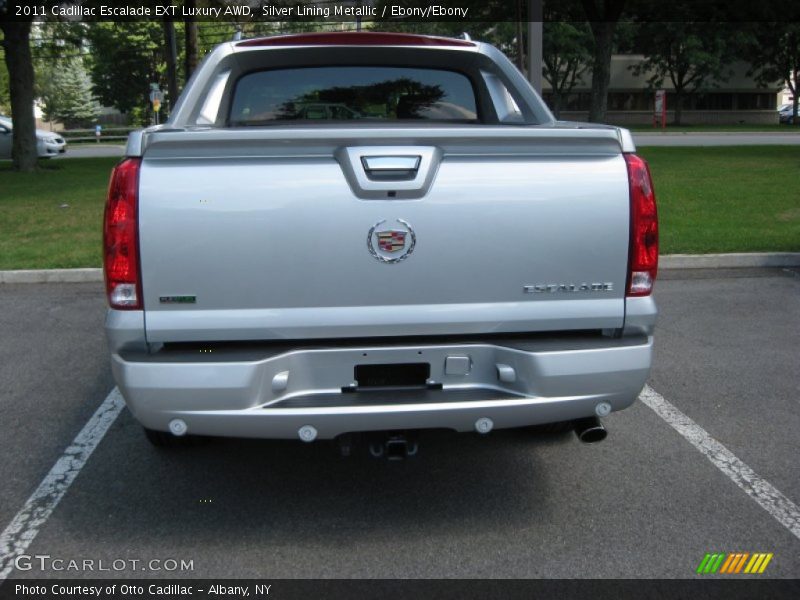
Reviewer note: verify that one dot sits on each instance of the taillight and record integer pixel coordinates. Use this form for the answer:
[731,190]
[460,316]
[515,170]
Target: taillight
[120,237]
[643,252]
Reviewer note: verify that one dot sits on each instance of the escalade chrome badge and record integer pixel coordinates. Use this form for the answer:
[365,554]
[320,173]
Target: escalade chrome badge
[554,288]
[391,245]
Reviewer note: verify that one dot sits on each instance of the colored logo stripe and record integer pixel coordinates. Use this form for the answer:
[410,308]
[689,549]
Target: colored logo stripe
[758,563]
[728,563]
[734,562]
[701,567]
[710,563]
[740,564]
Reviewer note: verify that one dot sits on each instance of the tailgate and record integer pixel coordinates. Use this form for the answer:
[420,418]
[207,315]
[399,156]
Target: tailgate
[281,234]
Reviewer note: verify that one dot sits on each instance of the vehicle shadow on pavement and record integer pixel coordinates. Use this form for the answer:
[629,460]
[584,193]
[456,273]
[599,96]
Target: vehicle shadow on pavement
[286,489]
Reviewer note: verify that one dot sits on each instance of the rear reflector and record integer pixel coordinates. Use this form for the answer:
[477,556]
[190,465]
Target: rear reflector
[355,38]
[120,237]
[643,252]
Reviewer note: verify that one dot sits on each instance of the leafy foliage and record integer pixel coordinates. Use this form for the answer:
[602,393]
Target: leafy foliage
[691,55]
[566,50]
[774,49]
[66,92]
[126,59]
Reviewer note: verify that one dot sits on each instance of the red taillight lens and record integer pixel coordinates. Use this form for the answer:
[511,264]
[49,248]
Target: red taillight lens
[643,252]
[120,237]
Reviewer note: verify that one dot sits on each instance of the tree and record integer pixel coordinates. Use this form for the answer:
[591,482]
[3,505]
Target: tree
[690,54]
[603,16]
[126,59]
[774,51]
[565,57]
[66,92]
[17,50]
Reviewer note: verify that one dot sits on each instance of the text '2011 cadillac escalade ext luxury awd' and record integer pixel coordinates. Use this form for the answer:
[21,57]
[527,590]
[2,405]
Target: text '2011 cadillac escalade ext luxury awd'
[369,232]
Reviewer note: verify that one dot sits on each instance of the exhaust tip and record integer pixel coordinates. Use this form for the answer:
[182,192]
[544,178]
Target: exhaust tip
[590,430]
[593,435]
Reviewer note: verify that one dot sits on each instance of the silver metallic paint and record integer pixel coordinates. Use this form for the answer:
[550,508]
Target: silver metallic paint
[222,210]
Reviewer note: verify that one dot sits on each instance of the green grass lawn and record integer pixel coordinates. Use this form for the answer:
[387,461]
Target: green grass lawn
[723,199]
[727,199]
[35,233]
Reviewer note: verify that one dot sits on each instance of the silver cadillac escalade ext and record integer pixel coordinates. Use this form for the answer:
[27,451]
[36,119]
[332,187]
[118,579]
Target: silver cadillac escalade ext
[370,232]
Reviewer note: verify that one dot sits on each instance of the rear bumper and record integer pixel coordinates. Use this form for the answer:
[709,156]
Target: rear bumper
[263,393]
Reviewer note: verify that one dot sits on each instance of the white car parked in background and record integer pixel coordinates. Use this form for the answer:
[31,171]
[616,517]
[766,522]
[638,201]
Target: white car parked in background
[786,114]
[47,143]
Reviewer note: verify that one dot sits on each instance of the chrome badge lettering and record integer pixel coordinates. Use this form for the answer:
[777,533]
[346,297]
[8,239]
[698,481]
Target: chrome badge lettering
[567,288]
[177,299]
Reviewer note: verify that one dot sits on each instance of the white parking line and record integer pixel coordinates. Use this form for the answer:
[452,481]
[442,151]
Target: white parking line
[23,529]
[768,496]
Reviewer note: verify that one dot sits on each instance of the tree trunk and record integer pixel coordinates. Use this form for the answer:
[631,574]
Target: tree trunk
[556,102]
[678,106]
[795,99]
[191,59]
[170,51]
[20,73]
[190,37]
[603,32]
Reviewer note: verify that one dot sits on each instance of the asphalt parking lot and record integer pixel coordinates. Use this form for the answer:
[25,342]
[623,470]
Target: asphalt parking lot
[643,503]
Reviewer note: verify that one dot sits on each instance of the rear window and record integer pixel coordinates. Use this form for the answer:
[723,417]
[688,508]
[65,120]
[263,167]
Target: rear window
[352,93]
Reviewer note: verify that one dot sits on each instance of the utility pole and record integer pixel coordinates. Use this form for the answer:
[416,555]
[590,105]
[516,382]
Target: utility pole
[535,17]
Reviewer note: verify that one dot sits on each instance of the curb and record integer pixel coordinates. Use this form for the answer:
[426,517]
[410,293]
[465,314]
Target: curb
[52,276]
[668,261]
[729,261]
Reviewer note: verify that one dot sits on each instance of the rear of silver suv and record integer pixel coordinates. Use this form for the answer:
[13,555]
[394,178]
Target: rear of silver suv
[287,260]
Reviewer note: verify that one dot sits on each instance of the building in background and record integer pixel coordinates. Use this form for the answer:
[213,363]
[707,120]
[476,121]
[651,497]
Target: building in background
[785,96]
[738,100]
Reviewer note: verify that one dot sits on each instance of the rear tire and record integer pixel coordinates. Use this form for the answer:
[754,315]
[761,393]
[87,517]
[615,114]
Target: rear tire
[162,439]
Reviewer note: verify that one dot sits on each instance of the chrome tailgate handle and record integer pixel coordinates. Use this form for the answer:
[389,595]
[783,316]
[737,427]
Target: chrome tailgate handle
[384,172]
[387,168]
